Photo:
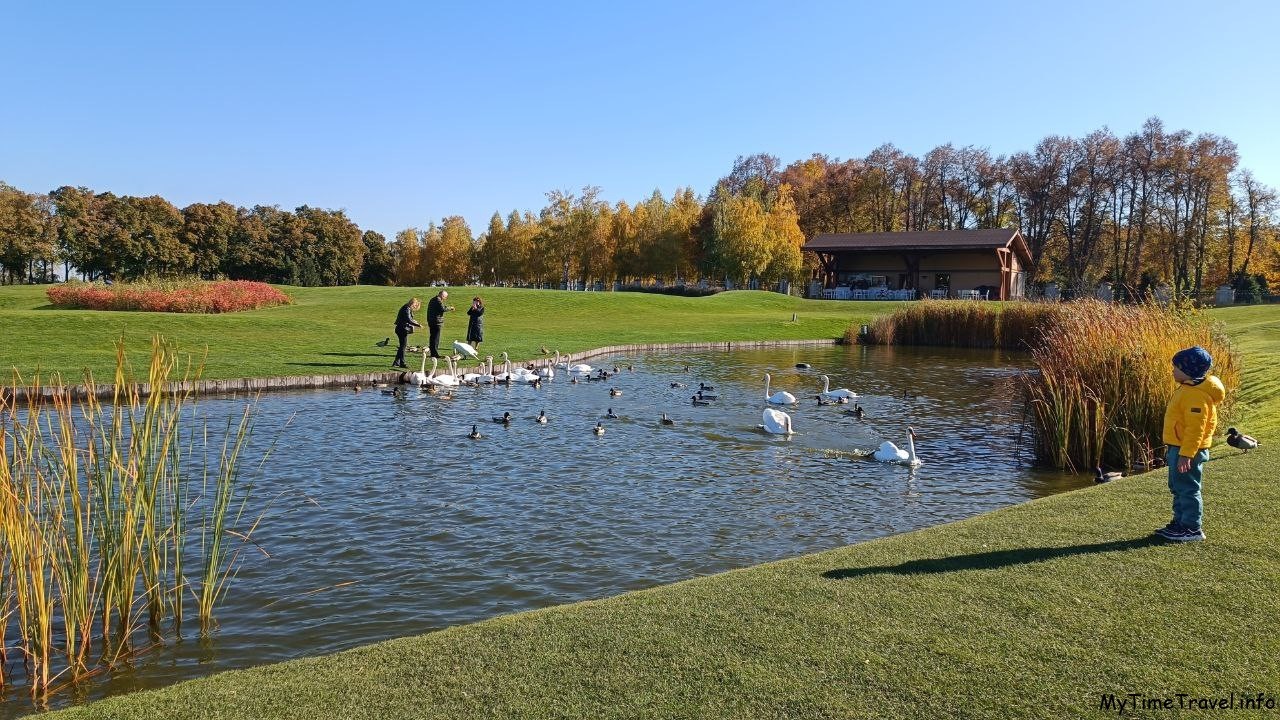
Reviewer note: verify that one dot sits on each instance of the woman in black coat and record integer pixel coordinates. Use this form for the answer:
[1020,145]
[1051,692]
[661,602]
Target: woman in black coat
[475,326]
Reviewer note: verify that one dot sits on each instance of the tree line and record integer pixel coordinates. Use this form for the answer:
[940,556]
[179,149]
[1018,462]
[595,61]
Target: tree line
[1153,206]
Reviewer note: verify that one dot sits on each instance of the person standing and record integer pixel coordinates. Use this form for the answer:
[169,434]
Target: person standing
[405,325]
[1189,422]
[435,319]
[475,325]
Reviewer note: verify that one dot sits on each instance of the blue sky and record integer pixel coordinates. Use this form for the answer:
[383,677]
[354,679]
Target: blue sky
[402,113]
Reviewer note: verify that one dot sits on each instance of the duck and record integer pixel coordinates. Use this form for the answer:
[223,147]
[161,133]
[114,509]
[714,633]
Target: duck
[678,385]
[615,392]
[536,382]
[611,414]
[631,368]
[803,366]
[857,411]
[836,394]
[699,401]
[383,342]
[776,422]
[781,397]
[573,380]
[355,388]
[707,396]
[598,429]
[666,420]
[475,433]
[823,401]
[705,387]
[543,349]
[542,417]
[1105,477]
[504,419]
[1243,442]
[908,395]
[890,453]
[392,391]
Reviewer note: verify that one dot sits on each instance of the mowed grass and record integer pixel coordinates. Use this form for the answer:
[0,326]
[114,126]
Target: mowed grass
[333,330]
[1037,610]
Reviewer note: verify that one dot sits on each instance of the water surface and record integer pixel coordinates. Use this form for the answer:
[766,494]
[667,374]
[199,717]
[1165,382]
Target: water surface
[382,519]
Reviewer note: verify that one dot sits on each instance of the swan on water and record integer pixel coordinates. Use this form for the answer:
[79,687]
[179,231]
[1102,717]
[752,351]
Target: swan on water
[581,369]
[781,397]
[890,453]
[837,394]
[776,422]
[560,364]
[449,379]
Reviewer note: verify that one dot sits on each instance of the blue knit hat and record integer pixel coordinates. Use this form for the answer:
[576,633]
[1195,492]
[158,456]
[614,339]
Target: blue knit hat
[1194,362]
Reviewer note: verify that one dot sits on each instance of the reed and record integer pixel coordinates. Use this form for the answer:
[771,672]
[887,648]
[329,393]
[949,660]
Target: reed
[1104,376]
[1103,371]
[959,324]
[97,504]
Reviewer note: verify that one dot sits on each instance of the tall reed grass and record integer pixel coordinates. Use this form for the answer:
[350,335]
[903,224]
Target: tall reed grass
[98,504]
[1103,371]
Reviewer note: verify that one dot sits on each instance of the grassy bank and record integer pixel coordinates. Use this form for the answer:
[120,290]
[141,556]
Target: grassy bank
[1033,611]
[333,330]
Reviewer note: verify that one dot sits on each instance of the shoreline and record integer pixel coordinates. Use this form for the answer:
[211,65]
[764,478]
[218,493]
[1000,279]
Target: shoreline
[230,386]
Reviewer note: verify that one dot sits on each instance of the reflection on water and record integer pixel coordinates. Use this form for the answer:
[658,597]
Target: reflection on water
[385,520]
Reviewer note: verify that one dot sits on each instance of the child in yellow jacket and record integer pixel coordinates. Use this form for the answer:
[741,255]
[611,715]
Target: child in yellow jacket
[1189,422]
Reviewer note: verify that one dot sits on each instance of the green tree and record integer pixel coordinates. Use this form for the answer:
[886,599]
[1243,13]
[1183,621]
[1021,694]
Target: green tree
[207,231]
[741,250]
[331,241]
[379,262]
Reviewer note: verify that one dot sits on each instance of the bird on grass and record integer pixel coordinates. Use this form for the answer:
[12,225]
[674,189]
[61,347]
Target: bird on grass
[1237,439]
[1106,477]
[475,433]
[599,429]
[383,342]
[666,420]
[544,350]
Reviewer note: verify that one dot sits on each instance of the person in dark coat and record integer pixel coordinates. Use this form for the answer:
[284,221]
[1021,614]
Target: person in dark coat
[435,319]
[405,325]
[475,326]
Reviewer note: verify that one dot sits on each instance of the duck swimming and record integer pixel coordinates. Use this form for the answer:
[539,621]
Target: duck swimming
[611,414]
[542,417]
[504,419]
[666,420]
[699,401]
[598,429]
[475,433]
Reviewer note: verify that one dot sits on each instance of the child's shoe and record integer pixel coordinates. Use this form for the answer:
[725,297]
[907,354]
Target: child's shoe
[1181,534]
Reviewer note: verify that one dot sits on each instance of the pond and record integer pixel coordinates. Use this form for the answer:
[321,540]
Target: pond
[383,519]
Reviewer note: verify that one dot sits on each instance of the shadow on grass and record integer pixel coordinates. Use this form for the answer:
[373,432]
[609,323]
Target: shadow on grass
[331,365]
[989,560]
[366,354]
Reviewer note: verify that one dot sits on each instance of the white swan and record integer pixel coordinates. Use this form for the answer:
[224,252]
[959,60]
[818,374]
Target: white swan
[419,377]
[781,397]
[486,377]
[465,349]
[547,373]
[505,375]
[560,364]
[776,422]
[837,394]
[449,379]
[581,369]
[890,453]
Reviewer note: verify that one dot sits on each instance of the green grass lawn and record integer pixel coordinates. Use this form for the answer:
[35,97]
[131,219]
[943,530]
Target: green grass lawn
[333,330]
[1037,610]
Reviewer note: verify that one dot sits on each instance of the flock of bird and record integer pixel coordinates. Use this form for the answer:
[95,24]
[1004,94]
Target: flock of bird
[774,419]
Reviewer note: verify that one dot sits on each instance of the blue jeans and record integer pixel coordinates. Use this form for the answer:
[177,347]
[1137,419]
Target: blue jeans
[1187,507]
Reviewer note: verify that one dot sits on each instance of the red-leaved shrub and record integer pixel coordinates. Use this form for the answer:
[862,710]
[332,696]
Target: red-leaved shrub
[185,297]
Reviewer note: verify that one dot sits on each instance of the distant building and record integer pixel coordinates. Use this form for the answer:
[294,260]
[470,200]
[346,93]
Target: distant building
[943,263]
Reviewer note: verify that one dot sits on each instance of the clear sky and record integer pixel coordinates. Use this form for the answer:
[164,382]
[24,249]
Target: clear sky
[403,113]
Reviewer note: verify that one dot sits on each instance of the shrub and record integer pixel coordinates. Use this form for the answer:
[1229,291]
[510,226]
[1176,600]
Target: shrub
[681,290]
[172,296]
